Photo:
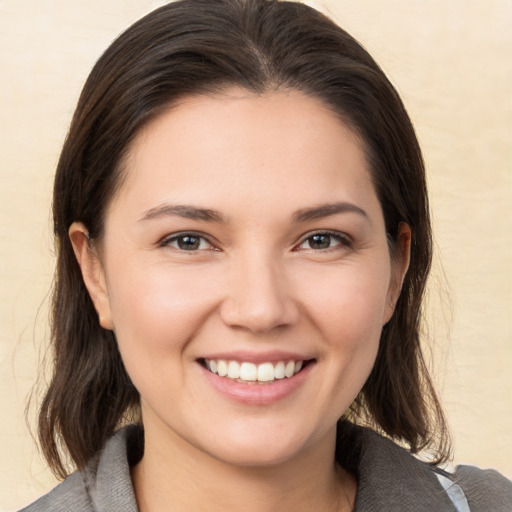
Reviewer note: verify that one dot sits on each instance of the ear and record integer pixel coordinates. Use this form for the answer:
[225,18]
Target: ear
[92,273]
[399,266]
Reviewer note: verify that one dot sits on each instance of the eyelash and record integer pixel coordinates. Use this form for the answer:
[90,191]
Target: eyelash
[189,234]
[342,239]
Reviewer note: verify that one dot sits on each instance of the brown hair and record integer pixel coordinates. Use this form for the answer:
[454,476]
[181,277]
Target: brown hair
[198,47]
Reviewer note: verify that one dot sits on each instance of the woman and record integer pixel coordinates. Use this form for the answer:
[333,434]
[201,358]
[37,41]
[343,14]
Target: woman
[243,244]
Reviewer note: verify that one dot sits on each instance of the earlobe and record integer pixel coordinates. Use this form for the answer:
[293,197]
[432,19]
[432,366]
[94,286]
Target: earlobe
[92,273]
[400,264]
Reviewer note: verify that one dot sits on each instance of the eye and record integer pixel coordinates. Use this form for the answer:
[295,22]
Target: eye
[188,242]
[324,241]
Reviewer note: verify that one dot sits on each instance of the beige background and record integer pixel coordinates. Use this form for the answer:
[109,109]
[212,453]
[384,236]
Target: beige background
[451,62]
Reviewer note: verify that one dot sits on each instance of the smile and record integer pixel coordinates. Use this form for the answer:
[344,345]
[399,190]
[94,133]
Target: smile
[247,372]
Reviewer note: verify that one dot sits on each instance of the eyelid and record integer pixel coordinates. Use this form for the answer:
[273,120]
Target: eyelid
[344,239]
[167,239]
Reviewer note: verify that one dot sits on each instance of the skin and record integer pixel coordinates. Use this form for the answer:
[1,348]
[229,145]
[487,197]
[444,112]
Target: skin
[256,283]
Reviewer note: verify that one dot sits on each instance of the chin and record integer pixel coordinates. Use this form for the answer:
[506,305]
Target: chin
[261,447]
[254,457]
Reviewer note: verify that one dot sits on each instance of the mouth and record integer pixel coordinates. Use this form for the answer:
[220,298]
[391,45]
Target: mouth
[246,372]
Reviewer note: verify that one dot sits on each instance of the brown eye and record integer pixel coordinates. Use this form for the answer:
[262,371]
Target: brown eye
[320,241]
[188,242]
[323,241]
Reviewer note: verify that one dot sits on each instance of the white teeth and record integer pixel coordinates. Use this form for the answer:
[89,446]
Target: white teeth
[250,372]
[233,370]
[222,368]
[289,369]
[266,372]
[278,370]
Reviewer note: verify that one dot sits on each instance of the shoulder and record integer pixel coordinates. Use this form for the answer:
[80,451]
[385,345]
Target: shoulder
[485,489]
[390,478]
[105,484]
[71,494]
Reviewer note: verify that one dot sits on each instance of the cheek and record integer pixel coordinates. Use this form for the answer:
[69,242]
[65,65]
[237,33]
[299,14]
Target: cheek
[156,310]
[348,303]
[348,311]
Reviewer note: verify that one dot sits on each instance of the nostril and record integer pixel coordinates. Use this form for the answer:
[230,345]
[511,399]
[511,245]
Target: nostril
[260,315]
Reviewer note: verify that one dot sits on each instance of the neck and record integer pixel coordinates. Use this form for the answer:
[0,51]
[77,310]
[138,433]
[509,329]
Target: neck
[172,475]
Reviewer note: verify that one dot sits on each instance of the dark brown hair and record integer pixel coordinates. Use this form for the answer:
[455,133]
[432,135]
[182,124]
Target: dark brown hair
[199,47]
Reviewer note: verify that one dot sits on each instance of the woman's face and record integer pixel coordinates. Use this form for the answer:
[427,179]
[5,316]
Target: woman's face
[246,238]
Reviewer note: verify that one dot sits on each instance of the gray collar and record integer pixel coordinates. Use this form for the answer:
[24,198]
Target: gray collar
[389,478]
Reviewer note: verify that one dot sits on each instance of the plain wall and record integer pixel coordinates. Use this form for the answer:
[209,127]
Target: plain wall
[451,62]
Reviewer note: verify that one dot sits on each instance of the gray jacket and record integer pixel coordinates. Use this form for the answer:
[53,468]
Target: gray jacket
[389,479]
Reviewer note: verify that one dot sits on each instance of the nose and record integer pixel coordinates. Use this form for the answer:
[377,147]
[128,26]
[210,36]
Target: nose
[259,298]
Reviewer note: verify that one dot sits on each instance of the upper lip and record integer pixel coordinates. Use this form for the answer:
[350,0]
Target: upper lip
[258,357]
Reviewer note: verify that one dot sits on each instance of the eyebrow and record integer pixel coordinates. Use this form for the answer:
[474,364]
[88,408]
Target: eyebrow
[326,210]
[209,215]
[185,211]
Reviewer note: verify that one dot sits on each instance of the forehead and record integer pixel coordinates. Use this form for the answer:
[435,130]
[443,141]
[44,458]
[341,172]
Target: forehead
[267,148]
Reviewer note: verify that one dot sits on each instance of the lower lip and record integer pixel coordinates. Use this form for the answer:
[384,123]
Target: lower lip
[257,394]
